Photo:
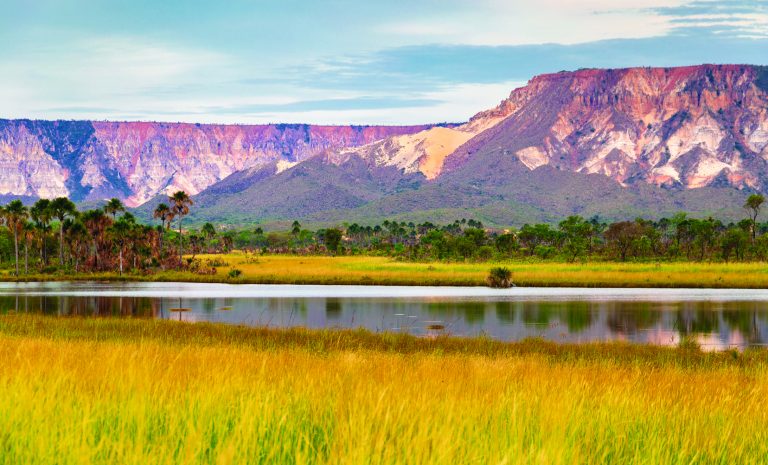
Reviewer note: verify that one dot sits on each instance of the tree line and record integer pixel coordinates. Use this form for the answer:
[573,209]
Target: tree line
[53,235]
[679,237]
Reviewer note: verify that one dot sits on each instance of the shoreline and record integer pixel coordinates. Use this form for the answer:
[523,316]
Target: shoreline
[384,271]
[175,289]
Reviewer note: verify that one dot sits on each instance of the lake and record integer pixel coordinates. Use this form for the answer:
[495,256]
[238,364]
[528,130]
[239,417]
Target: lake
[718,318]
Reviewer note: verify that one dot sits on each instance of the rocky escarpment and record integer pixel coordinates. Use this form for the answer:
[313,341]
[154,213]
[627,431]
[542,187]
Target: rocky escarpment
[136,161]
[607,142]
[682,127]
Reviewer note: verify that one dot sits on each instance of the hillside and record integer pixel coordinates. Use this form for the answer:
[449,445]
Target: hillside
[619,143]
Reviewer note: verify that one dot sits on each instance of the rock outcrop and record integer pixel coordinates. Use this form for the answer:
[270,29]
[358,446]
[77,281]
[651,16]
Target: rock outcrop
[683,127]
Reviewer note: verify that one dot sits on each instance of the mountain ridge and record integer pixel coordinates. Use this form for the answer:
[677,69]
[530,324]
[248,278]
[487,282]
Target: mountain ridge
[627,140]
[135,161]
[649,137]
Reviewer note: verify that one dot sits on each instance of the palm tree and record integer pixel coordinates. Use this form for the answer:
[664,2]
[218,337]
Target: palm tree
[114,206]
[165,215]
[96,222]
[120,233]
[15,215]
[29,234]
[41,215]
[77,235]
[180,203]
[61,208]
[752,205]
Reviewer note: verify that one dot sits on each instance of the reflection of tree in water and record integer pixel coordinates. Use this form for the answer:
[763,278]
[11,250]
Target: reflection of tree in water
[538,313]
[299,307]
[333,309]
[209,305]
[9,304]
[442,310]
[697,317]
[84,306]
[505,312]
[474,312]
[746,317]
[578,315]
[629,317]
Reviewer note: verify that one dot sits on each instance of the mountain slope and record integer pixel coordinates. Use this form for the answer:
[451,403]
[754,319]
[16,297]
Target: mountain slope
[90,161]
[681,127]
[620,143]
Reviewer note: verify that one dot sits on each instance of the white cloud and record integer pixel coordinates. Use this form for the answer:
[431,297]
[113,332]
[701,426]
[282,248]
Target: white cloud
[456,103]
[100,72]
[517,22]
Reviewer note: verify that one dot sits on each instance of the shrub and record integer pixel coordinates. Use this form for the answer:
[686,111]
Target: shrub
[485,253]
[689,343]
[500,277]
[234,273]
[216,261]
[544,251]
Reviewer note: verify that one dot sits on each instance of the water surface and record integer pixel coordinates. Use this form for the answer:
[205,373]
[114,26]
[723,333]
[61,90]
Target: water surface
[718,319]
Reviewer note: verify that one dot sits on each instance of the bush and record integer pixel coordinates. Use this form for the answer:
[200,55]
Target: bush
[234,273]
[544,251]
[485,253]
[217,261]
[500,278]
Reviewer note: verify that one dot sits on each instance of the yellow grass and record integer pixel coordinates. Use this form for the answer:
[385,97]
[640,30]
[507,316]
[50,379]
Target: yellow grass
[140,392]
[286,269]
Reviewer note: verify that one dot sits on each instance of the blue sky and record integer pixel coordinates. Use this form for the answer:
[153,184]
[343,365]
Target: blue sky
[338,61]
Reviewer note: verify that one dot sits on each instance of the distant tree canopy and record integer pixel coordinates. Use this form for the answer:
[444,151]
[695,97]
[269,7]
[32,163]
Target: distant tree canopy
[53,235]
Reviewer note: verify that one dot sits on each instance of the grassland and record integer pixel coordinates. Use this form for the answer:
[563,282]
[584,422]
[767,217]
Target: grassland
[88,391]
[283,269]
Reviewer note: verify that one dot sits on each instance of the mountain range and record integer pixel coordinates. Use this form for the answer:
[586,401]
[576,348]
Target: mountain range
[136,161]
[617,143]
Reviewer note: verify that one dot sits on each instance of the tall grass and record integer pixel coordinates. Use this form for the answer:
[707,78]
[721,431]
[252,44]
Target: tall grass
[284,269]
[85,391]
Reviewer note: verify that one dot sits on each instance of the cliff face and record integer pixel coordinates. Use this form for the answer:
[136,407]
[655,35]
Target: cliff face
[687,127]
[136,161]
[690,127]
[593,142]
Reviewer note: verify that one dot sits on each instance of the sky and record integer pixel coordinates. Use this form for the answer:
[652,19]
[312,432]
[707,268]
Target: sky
[338,61]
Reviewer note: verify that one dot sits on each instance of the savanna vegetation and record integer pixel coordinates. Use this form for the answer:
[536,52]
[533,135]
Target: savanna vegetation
[103,391]
[53,240]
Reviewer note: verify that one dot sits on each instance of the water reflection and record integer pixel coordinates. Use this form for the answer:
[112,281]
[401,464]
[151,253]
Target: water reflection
[715,324]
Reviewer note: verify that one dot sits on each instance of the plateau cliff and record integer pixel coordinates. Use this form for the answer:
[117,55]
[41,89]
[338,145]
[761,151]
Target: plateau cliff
[135,161]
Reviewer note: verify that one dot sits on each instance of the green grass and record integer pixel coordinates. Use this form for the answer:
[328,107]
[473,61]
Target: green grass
[104,391]
[283,269]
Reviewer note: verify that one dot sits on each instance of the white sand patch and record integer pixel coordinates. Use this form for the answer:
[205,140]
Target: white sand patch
[423,152]
[283,165]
